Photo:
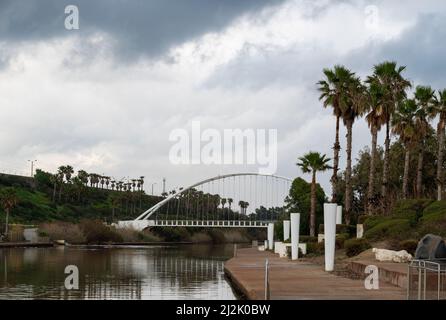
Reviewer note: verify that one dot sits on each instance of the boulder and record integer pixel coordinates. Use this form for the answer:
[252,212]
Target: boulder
[385,255]
[431,247]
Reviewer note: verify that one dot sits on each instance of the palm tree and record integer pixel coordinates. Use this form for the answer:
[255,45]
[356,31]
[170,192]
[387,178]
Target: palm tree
[223,203]
[8,200]
[350,111]
[333,94]
[375,119]
[403,124]
[83,176]
[424,97]
[313,162]
[439,109]
[389,76]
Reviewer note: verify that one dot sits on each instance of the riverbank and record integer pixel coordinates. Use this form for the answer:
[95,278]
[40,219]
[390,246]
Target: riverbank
[297,280]
[26,244]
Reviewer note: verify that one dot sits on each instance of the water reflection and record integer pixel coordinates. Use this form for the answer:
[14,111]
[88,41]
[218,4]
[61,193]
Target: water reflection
[169,272]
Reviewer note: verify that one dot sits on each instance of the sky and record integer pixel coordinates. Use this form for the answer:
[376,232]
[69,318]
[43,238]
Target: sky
[106,97]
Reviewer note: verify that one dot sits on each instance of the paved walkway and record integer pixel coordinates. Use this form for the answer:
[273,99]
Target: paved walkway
[298,280]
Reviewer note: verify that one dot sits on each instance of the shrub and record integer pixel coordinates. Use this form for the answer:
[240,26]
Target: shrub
[390,229]
[341,228]
[307,239]
[96,231]
[408,245]
[69,232]
[315,248]
[354,247]
[362,218]
[340,240]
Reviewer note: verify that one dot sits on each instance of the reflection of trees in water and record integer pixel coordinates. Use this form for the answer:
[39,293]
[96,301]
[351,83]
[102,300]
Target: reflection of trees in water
[111,273]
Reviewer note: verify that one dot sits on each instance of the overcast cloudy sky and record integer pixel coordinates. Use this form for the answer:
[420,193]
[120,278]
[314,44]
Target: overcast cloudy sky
[105,98]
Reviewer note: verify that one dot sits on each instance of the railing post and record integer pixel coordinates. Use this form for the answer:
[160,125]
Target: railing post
[267,294]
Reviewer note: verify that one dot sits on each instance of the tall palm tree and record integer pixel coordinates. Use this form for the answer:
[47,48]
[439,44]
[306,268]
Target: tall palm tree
[350,111]
[403,124]
[83,176]
[389,76]
[424,97]
[439,109]
[333,93]
[223,203]
[8,200]
[313,162]
[375,119]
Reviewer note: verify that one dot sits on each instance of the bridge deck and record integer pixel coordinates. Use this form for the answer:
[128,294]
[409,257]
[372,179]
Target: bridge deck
[211,223]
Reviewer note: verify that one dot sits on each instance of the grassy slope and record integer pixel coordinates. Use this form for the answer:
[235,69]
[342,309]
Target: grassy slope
[410,219]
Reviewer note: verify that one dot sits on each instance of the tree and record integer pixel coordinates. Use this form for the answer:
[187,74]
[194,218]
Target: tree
[299,200]
[403,124]
[375,120]
[389,76]
[8,200]
[350,111]
[313,162]
[424,97]
[333,94]
[439,109]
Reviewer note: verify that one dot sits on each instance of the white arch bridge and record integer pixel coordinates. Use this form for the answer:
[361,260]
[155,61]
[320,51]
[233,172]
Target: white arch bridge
[239,200]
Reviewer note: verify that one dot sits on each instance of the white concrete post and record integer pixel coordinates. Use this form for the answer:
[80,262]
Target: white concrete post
[330,211]
[286,230]
[295,222]
[271,236]
[339,215]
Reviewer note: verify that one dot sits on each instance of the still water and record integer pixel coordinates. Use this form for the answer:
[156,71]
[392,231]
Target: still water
[155,272]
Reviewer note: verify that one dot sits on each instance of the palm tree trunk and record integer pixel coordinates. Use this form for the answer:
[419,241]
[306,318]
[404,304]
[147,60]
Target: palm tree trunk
[336,149]
[7,222]
[440,135]
[406,173]
[348,173]
[385,169]
[371,191]
[54,192]
[420,172]
[313,206]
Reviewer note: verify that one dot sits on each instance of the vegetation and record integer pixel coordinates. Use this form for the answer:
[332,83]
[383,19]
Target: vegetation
[383,99]
[354,247]
[313,162]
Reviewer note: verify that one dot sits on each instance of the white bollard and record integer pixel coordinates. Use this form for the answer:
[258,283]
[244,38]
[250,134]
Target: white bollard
[295,222]
[330,212]
[286,229]
[271,236]
[339,215]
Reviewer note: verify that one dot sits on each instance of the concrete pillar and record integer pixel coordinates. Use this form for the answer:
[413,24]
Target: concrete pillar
[339,215]
[286,229]
[330,212]
[295,223]
[271,236]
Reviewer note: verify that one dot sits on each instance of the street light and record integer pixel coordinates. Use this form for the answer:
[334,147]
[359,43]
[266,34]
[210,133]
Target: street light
[152,187]
[32,167]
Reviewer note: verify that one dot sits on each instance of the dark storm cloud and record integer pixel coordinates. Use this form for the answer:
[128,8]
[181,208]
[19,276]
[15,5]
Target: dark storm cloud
[139,26]
[420,48]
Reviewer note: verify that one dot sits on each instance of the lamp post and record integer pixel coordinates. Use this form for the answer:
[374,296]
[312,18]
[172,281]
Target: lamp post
[32,167]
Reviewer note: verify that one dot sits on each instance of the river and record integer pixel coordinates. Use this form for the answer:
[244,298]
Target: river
[135,272]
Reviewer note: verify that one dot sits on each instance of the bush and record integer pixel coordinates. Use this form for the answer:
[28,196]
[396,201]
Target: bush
[390,229]
[340,240]
[315,248]
[353,247]
[307,239]
[69,232]
[341,228]
[409,245]
[97,232]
